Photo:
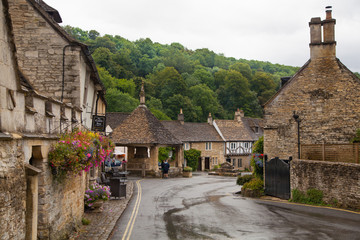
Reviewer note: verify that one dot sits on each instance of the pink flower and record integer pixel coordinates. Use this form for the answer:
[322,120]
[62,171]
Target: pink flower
[88,155]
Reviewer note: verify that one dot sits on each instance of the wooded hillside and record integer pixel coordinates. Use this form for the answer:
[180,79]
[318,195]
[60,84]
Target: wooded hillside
[198,81]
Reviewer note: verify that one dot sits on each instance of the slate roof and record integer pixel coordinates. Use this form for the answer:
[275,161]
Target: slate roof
[233,130]
[252,123]
[142,127]
[113,119]
[193,132]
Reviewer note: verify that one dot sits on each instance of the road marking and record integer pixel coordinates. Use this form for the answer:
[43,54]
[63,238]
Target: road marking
[307,205]
[134,213]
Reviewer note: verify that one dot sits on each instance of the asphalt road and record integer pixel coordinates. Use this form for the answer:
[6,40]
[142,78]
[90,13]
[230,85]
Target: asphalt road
[205,207]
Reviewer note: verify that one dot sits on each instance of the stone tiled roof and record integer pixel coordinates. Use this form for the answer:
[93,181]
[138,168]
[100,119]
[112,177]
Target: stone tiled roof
[234,130]
[113,119]
[142,127]
[52,11]
[254,124]
[193,132]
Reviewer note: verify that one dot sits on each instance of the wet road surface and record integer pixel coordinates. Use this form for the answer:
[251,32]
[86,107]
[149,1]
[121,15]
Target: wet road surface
[205,207]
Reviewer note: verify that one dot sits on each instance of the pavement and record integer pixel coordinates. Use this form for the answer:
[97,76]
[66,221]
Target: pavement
[102,223]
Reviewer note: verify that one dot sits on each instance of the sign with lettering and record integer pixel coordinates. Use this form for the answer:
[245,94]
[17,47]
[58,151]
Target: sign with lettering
[99,123]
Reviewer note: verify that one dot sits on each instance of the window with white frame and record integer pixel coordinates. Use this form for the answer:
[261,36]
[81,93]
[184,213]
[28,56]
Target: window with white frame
[232,146]
[239,162]
[186,146]
[216,161]
[246,145]
[208,146]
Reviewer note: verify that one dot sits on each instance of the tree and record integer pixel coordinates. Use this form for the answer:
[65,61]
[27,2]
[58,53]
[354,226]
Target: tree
[93,34]
[192,158]
[170,81]
[202,96]
[243,68]
[120,102]
[172,106]
[205,77]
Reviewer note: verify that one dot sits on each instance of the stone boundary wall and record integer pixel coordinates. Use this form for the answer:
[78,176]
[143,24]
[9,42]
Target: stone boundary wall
[340,181]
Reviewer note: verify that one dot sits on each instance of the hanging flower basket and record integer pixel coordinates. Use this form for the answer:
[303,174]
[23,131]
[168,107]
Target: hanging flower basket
[78,151]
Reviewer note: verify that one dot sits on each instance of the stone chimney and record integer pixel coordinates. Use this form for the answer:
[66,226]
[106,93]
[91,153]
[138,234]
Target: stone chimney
[238,115]
[326,47]
[181,117]
[142,94]
[210,119]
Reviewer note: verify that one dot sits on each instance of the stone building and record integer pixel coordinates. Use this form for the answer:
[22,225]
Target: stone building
[143,134]
[322,98]
[56,65]
[239,136]
[32,204]
[199,136]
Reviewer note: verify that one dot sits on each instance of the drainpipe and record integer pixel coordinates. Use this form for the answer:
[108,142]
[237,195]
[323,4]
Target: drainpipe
[63,72]
[297,119]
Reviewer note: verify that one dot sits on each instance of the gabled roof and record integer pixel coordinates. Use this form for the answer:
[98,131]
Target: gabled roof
[253,124]
[113,119]
[193,132]
[44,10]
[52,11]
[142,127]
[287,83]
[234,130]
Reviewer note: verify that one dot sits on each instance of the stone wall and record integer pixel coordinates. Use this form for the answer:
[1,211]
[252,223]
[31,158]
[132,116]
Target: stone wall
[325,96]
[338,181]
[12,190]
[40,48]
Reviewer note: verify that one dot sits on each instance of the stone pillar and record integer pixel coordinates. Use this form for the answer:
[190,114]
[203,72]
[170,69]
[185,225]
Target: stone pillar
[31,217]
[154,156]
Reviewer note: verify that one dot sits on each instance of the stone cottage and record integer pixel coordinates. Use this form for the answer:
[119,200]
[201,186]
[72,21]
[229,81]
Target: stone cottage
[56,65]
[32,204]
[319,104]
[239,136]
[199,136]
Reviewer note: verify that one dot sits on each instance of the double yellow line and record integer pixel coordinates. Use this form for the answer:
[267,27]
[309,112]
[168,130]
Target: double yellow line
[134,213]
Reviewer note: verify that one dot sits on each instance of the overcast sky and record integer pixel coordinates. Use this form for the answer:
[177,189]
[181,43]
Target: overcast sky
[268,30]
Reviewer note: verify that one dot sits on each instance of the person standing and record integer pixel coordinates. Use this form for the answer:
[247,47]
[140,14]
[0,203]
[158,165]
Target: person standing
[165,168]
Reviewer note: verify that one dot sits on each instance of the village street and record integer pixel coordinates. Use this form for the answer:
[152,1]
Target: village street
[205,207]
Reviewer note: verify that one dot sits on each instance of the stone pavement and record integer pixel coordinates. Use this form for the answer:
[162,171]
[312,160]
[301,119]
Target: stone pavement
[102,223]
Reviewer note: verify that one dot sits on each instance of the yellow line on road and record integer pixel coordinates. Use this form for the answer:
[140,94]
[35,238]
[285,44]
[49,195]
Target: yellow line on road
[307,205]
[135,211]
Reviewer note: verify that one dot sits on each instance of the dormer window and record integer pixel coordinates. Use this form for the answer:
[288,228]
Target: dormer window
[256,129]
[29,105]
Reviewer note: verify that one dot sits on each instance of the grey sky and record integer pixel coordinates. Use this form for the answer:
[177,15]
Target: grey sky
[276,31]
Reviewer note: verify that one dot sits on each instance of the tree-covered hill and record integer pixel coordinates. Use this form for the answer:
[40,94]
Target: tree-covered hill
[198,81]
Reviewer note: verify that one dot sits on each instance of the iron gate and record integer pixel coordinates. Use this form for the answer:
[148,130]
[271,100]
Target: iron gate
[277,178]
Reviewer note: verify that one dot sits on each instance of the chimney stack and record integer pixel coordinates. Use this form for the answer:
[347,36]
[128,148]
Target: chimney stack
[181,117]
[210,120]
[238,115]
[322,48]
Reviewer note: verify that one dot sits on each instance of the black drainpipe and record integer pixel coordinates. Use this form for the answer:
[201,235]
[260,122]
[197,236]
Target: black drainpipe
[297,119]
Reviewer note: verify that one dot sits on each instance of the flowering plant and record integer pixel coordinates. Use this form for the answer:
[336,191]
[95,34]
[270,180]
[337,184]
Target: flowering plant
[257,164]
[78,151]
[96,192]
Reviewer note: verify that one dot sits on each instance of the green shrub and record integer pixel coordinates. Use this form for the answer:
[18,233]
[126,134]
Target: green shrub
[216,167]
[255,184]
[241,180]
[313,196]
[298,196]
[85,221]
[187,169]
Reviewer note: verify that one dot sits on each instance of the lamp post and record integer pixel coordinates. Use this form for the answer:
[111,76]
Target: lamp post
[297,119]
